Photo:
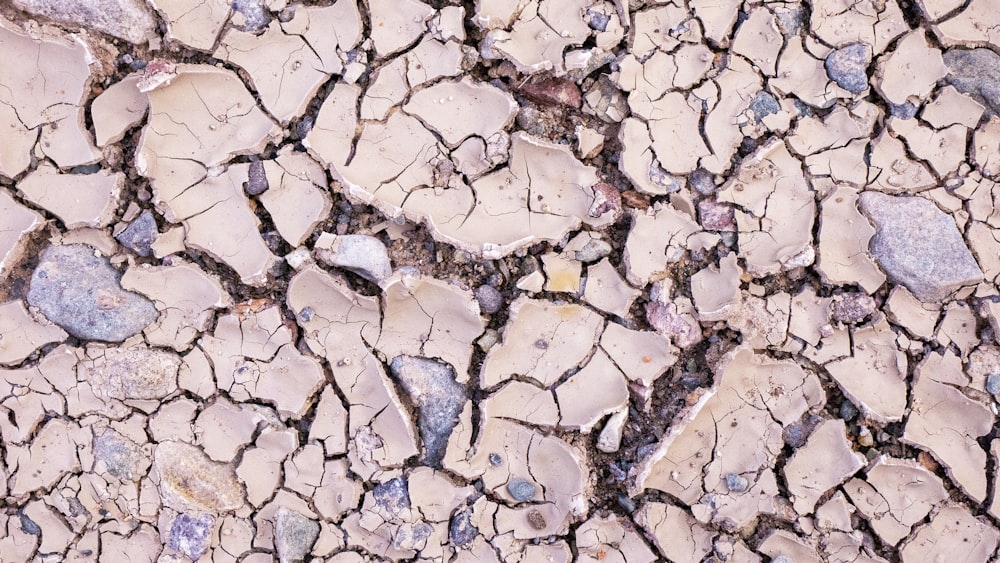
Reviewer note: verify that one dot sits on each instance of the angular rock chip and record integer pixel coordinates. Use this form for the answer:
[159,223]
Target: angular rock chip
[81,293]
[848,67]
[895,495]
[294,536]
[362,254]
[139,235]
[919,246]
[431,386]
[733,432]
[191,535]
[823,463]
[190,482]
[21,335]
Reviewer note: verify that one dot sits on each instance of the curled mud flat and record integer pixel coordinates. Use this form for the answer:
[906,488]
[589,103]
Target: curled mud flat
[520,280]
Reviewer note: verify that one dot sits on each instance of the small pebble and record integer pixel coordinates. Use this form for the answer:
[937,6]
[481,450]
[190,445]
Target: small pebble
[521,489]
[593,251]
[993,383]
[737,483]
[536,520]
[496,460]
[490,300]
[627,504]
[848,411]
[865,437]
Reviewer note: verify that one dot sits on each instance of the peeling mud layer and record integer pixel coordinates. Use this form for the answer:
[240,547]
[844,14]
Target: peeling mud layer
[499,280]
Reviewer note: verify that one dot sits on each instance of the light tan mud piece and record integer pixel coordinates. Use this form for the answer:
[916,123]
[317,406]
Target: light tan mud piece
[284,68]
[975,25]
[607,290]
[606,539]
[184,295]
[21,334]
[195,23]
[725,471]
[297,198]
[874,358]
[78,200]
[895,495]
[431,318]
[118,108]
[909,72]
[16,221]
[675,532]
[823,463]
[776,210]
[658,237]
[340,325]
[952,530]
[844,235]
[43,103]
[839,22]
[948,424]
[542,341]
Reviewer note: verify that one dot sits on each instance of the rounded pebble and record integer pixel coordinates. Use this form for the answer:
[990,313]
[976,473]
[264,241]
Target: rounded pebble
[521,489]
[993,383]
[490,299]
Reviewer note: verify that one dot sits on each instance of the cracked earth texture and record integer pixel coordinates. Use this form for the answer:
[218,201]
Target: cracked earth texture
[499,280]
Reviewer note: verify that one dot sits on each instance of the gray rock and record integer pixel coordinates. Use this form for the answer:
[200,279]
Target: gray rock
[905,110]
[851,308]
[848,411]
[522,490]
[28,525]
[737,483]
[294,536]
[993,383]
[130,20]
[256,179]
[191,535]
[848,67]
[763,105]
[255,16]
[593,251]
[361,254]
[392,497]
[461,530]
[919,246]
[432,387]
[975,72]
[490,299]
[80,292]
[140,235]
[123,458]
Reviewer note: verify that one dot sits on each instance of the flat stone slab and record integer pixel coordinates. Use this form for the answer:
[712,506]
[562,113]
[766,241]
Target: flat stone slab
[81,293]
[919,246]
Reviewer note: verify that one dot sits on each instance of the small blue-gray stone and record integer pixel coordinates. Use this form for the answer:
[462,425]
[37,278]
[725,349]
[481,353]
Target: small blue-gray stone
[763,105]
[993,383]
[848,67]
[736,482]
[140,235]
[190,535]
[521,489]
[461,530]
[848,411]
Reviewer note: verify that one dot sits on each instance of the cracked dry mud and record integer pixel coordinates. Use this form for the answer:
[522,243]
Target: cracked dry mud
[499,280]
